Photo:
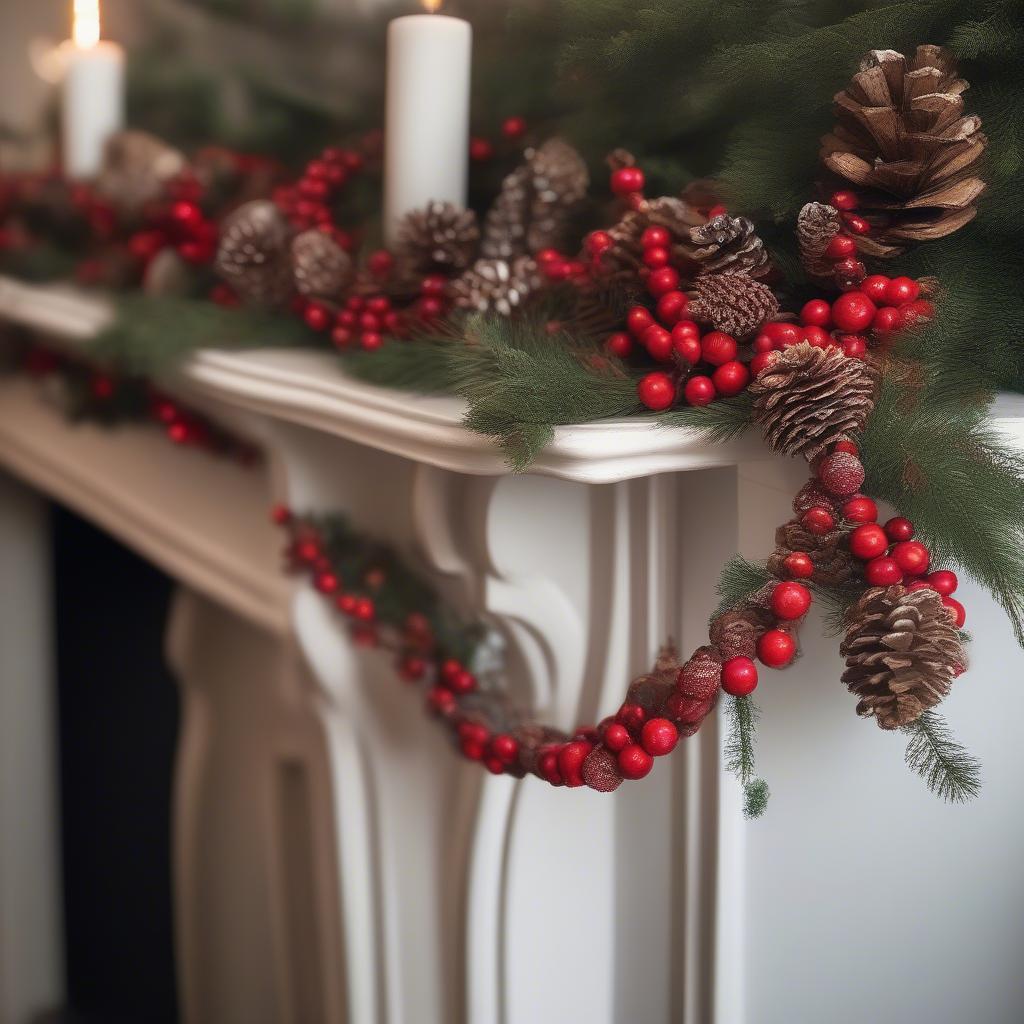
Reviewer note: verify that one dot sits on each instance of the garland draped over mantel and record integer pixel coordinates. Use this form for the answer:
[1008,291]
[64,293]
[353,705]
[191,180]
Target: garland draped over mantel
[675,307]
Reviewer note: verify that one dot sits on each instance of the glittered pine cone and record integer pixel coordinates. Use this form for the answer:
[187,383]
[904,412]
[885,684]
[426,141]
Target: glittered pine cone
[253,256]
[902,141]
[442,238]
[902,653]
[833,563]
[497,286]
[809,398]
[735,631]
[321,268]
[729,245]
[734,303]
[816,225]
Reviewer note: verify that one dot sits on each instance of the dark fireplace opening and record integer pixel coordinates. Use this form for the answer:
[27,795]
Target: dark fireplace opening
[118,725]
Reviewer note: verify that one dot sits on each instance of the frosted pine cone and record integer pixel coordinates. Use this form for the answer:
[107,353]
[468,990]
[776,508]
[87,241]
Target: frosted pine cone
[253,256]
[809,398]
[816,225]
[902,653]
[322,269]
[734,303]
[136,169]
[442,238]
[729,245]
[505,226]
[497,285]
[559,181]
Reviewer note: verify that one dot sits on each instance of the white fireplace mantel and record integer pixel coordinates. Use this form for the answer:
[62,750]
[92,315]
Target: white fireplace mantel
[335,861]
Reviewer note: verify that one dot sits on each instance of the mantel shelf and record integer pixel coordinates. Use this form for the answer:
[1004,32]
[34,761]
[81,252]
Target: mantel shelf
[310,388]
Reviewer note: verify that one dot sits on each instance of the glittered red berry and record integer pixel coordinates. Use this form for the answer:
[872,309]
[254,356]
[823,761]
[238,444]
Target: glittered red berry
[853,312]
[790,600]
[699,390]
[717,347]
[730,378]
[841,474]
[686,344]
[799,565]
[957,609]
[860,509]
[625,180]
[944,581]
[912,557]
[659,737]
[841,247]
[868,541]
[656,391]
[901,290]
[739,676]
[846,446]
[899,528]
[619,344]
[616,736]
[570,761]
[776,648]
[818,520]
[844,200]
[634,761]
[816,313]
[883,572]
[658,343]
[874,286]
[663,281]
[672,307]
[887,320]
[638,319]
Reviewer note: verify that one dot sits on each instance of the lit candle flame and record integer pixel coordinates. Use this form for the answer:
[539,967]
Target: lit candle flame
[432,6]
[85,26]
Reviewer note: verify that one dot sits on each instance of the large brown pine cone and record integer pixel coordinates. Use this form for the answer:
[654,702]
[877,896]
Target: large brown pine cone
[902,653]
[809,398]
[902,140]
[322,269]
[254,256]
[442,238]
[729,245]
[734,303]
[498,286]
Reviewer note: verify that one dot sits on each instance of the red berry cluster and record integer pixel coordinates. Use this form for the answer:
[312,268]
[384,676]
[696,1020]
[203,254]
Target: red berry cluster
[308,202]
[481,149]
[183,226]
[362,320]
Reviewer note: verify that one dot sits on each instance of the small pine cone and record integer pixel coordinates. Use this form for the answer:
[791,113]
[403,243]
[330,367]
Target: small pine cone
[902,141]
[625,257]
[321,267]
[505,226]
[809,398]
[729,245]
[136,169]
[902,653]
[734,303]
[701,676]
[496,285]
[816,225]
[833,563]
[253,256]
[601,770]
[736,630]
[442,238]
[559,182]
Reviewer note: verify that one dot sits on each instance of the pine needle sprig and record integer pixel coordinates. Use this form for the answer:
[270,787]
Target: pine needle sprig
[738,580]
[948,769]
[716,423]
[743,715]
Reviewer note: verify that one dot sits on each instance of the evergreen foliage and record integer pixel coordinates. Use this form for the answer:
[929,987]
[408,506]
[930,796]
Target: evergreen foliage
[742,714]
[947,768]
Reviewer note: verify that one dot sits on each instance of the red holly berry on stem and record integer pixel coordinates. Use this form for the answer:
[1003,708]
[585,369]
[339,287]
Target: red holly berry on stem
[957,609]
[626,180]
[901,290]
[841,474]
[661,281]
[616,736]
[638,319]
[761,362]
[598,242]
[899,528]
[790,600]
[717,347]
[658,343]
[799,565]
[656,391]
[816,313]
[739,676]
[570,761]
[817,337]
[887,320]
[818,520]
[857,225]
[655,237]
[841,247]
[619,344]
[730,378]
[883,571]
[686,343]
[860,509]
[854,346]
[944,581]
[776,648]
[874,286]
[480,149]
[672,307]
[853,312]
[868,541]
[844,201]
[912,557]
[699,390]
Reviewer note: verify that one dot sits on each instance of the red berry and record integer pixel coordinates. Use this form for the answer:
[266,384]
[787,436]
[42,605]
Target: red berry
[846,446]
[860,510]
[854,346]
[844,200]
[655,236]
[912,557]
[857,225]
[282,514]
[547,765]
[658,343]
[638,319]
[570,761]
[790,600]
[761,362]
[441,700]
[662,281]
[326,582]
[685,343]
[883,571]
[513,127]
[672,307]
[840,247]
[626,180]
[853,312]
[762,343]
[798,564]
[659,737]
[634,761]
[913,312]
[632,716]
[656,257]
[868,541]
[371,340]
[901,290]
[317,317]
[598,241]
[739,676]
[887,320]
[874,287]
[730,378]
[776,648]
[818,520]
[958,610]
[619,344]
[699,390]
[616,736]
[784,334]
[944,581]
[656,391]
[841,474]
[816,313]
[505,747]
[717,347]
[480,149]
[717,210]
[899,528]
[817,337]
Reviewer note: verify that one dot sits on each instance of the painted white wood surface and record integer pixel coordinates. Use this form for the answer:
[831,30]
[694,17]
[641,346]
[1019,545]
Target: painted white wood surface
[334,860]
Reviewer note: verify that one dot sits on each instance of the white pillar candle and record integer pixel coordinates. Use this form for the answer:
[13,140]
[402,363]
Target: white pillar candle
[426,147]
[93,93]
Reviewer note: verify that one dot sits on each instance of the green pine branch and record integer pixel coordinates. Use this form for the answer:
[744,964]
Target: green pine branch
[947,768]
[743,714]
